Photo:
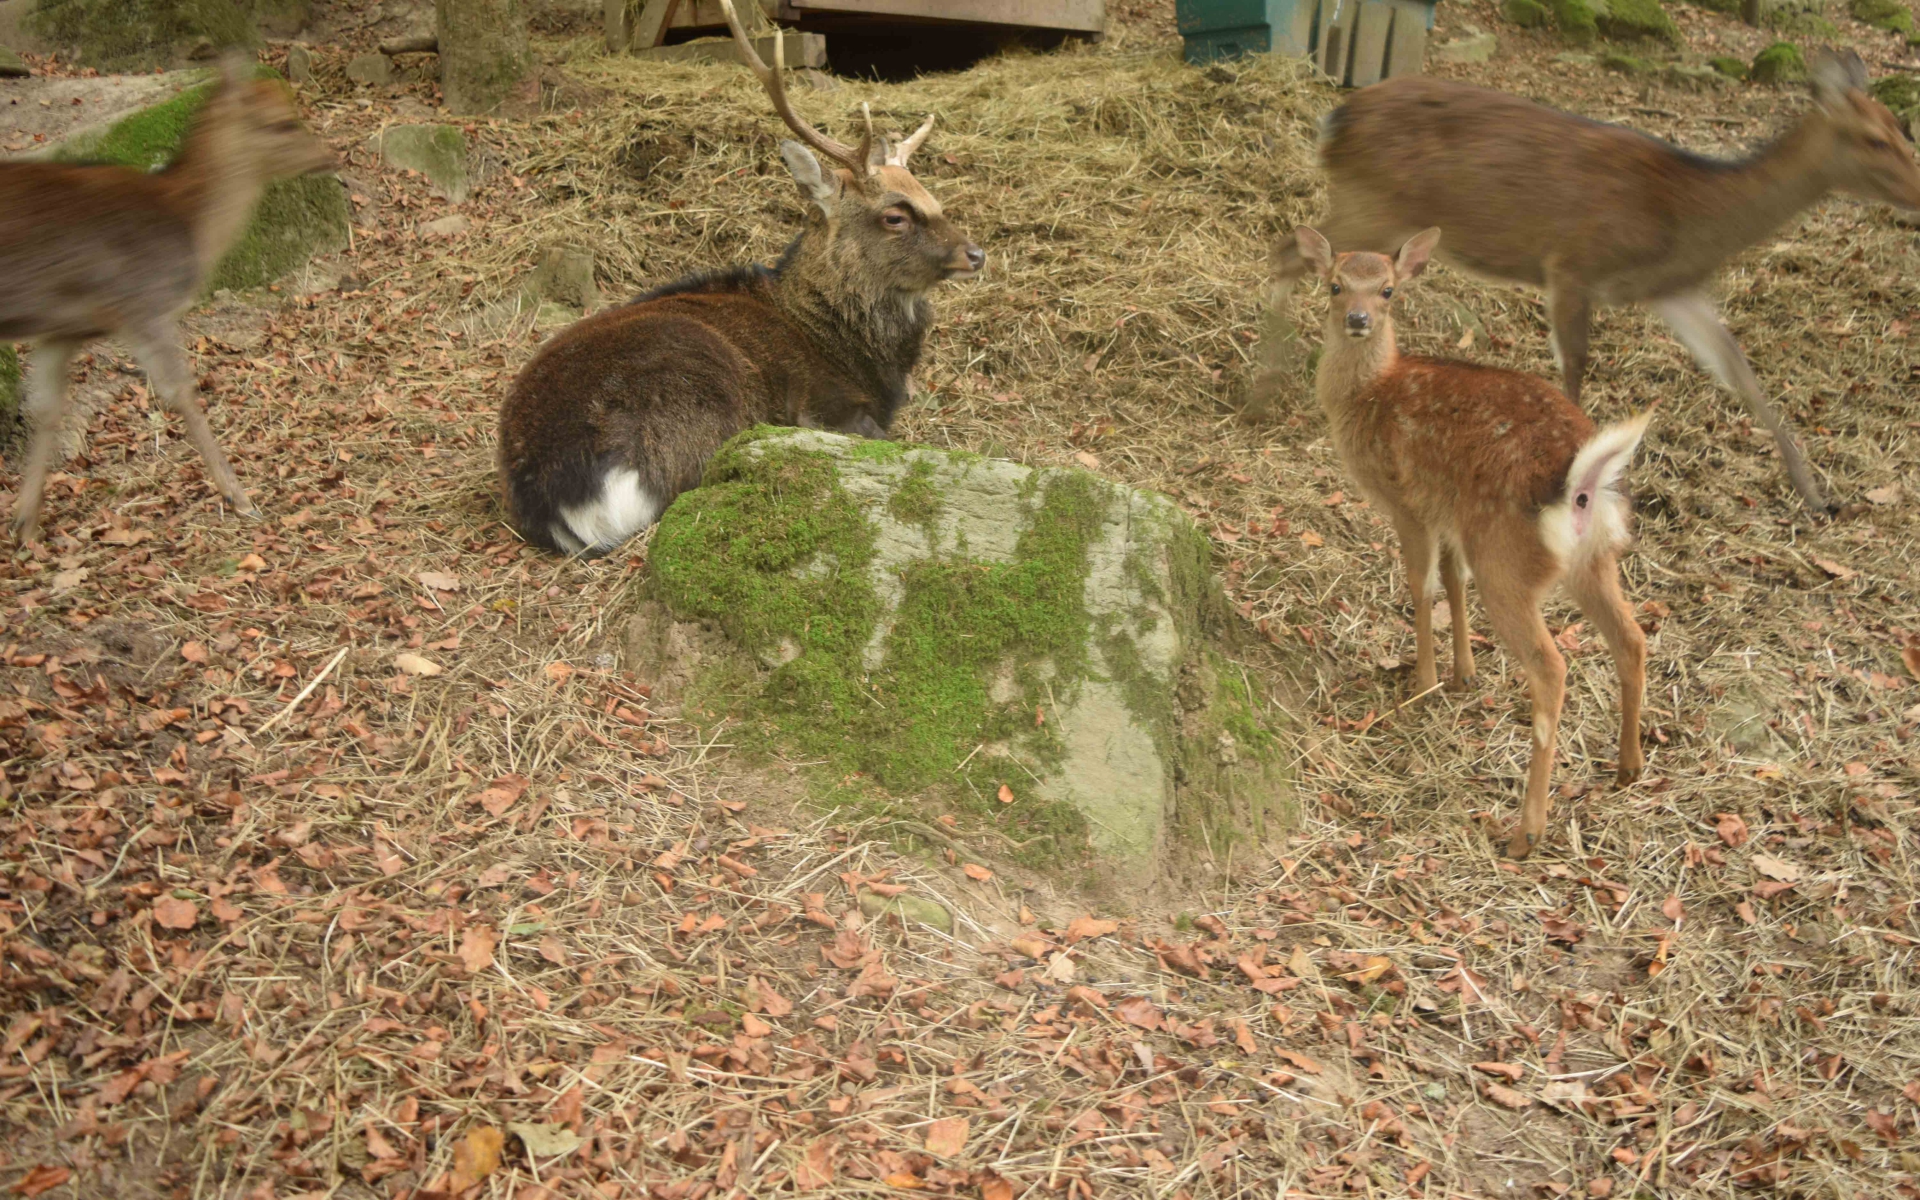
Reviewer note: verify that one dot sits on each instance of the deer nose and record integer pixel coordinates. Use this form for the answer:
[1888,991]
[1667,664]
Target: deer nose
[1358,321]
[976,257]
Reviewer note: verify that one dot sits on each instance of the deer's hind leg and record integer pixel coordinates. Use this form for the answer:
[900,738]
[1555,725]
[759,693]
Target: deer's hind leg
[159,352]
[46,404]
[1595,586]
[1514,607]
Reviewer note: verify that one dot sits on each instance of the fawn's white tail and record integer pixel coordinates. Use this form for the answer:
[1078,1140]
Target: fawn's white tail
[1591,516]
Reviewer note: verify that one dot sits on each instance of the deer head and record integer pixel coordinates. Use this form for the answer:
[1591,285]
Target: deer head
[868,201]
[1872,157]
[1361,283]
[261,125]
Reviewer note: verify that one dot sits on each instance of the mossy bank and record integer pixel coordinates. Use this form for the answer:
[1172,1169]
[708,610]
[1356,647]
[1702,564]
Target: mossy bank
[1037,653]
[295,220]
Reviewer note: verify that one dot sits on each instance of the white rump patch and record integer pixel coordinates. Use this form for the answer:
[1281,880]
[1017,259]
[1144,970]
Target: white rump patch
[1591,516]
[622,509]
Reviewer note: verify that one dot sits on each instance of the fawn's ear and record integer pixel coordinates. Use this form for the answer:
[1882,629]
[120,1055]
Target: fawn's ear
[816,184]
[1314,248]
[1415,254]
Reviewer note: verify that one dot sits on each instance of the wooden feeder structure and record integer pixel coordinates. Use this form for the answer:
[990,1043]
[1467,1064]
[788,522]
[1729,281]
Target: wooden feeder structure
[1356,42]
[909,34]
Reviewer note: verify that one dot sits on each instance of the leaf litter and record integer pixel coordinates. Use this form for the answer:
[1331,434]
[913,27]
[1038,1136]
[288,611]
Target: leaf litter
[473,928]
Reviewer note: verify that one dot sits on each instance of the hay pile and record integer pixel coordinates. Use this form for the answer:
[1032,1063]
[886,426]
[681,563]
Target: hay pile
[418,908]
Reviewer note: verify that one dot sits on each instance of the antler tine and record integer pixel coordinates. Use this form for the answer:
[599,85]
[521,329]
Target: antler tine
[899,154]
[770,79]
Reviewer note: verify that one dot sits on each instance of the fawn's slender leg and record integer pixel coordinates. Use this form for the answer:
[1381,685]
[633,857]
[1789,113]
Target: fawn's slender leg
[1570,311]
[1595,586]
[1417,549]
[159,352]
[1515,612]
[46,404]
[1699,328]
[1454,576]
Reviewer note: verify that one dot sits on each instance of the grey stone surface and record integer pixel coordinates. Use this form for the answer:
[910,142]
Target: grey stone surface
[438,152]
[373,69]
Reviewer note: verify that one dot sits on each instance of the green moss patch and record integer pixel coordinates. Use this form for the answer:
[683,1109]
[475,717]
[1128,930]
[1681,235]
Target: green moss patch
[1890,15]
[914,666]
[294,220]
[1731,67]
[1528,14]
[10,386]
[141,34]
[1629,19]
[1575,20]
[1781,62]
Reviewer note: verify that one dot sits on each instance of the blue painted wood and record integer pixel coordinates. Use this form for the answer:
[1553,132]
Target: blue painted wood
[1394,44]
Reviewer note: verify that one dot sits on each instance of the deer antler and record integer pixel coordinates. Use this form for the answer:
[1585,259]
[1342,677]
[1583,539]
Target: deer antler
[855,160]
[898,154]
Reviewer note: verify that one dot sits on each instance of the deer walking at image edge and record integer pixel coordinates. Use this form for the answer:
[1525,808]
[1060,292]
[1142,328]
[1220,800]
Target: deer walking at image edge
[1598,214]
[619,413]
[1488,471]
[90,251]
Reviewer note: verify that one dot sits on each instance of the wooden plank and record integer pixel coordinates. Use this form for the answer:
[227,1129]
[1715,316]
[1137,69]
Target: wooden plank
[1297,35]
[1336,36]
[1407,48]
[613,23]
[706,14]
[1370,42]
[803,50]
[1083,16]
[653,22]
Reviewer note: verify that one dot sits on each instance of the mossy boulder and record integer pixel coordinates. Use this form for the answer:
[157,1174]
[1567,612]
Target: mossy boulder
[12,66]
[142,34]
[1626,64]
[1628,19]
[1901,94]
[1731,67]
[1781,62]
[295,220]
[1528,14]
[9,393]
[1039,654]
[1891,15]
[438,152]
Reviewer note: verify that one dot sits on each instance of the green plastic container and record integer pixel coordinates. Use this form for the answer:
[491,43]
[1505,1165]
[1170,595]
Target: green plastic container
[1357,42]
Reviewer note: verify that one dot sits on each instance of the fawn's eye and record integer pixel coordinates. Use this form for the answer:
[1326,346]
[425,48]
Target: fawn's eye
[1334,288]
[893,218]
[1386,293]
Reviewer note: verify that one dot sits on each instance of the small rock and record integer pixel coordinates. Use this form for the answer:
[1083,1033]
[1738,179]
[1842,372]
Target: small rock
[375,70]
[565,275]
[912,910]
[299,65]
[437,151]
[11,66]
[1477,48]
[1626,64]
[445,226]
[1573,58]
[1693,78]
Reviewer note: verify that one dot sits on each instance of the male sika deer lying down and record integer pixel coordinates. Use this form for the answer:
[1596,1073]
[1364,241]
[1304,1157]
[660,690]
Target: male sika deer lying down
[619,414]
[1486,470]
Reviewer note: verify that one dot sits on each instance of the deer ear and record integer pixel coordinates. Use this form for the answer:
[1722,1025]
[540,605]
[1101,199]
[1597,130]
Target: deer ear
[1314,248]
[1416,253]
[1832,75]
[815,184]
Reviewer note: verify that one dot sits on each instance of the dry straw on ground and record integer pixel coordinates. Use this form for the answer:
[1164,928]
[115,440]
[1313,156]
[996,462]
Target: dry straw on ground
[332,955]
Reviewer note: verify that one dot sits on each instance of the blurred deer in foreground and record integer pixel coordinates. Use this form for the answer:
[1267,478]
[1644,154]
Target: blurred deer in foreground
[100,251]
[618,414]
[1482,470]
[1598,214]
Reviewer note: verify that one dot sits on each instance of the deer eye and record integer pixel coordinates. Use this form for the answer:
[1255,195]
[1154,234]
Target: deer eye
[1333,289]
[893,218]
[1386,293]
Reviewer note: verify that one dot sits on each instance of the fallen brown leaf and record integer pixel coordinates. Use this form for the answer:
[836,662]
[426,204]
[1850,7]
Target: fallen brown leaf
[948,1136]
[172,912]
[1081,928]
[476,948]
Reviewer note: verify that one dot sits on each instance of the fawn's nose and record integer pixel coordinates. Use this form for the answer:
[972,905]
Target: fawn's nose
[976,257]
[1358,322]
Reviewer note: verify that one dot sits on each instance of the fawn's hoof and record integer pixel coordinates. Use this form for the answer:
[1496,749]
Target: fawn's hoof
[243,507]
[25,527]
[1461,683]
[1627,774]
[1522,844]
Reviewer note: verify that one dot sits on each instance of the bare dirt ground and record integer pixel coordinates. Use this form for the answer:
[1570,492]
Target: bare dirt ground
[281,917]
